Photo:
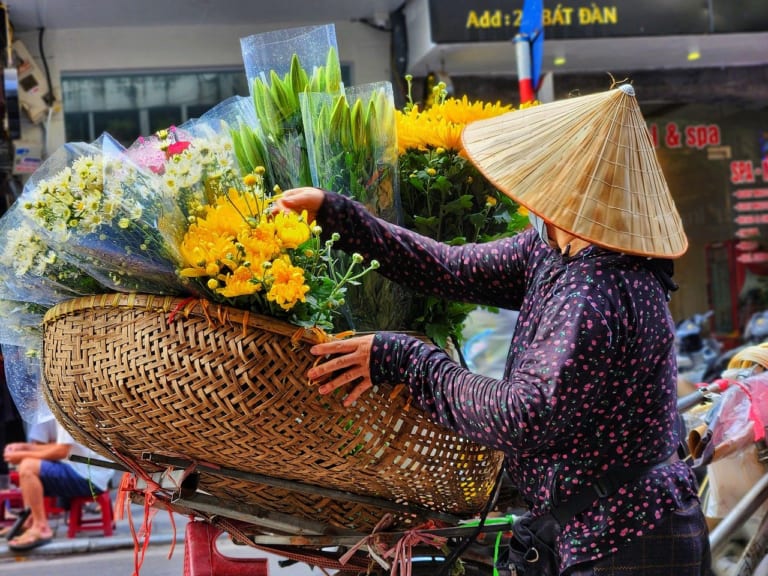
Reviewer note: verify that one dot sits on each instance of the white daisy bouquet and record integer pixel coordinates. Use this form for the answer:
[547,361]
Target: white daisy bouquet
[33,270]
[109,216]
[193,163]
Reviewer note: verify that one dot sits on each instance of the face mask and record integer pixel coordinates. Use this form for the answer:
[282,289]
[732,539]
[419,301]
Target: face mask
[541,227]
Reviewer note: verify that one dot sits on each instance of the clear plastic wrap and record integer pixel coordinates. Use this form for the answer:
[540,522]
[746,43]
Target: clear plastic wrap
[32,269]
[352,145]
[23,375]
[21,326]
[279,66]
[108,215]
[237,115]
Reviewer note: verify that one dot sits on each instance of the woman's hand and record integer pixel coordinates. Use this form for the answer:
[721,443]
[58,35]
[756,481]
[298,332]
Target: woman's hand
[298,199]
[350,365]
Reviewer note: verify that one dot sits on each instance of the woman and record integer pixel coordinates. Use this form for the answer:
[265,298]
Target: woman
[587,404]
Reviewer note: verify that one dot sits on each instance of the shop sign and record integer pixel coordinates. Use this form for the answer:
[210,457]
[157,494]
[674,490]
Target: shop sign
[696,136]
[753,257]
[750,205]
[462,21]
[746,172]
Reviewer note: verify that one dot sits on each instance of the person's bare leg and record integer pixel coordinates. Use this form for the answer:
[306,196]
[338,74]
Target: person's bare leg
[31,486]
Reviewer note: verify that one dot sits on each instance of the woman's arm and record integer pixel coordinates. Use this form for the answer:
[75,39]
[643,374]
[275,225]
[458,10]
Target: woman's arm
[533,406]
[554,378]
[492,274]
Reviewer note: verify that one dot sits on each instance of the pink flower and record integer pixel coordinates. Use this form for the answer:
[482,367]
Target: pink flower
[176,148]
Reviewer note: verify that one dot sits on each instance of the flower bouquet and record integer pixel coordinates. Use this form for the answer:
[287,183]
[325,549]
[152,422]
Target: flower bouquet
[108,216]
[243,255]
[352,145]
[352,148]
[233,250]
[280,66]
[32,270]
[311,130]
[445,197]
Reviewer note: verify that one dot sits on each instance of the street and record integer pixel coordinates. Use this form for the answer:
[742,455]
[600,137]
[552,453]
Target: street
[121,563]
[114,563]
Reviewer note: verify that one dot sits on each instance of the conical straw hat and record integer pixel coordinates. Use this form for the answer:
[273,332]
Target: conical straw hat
[586,165]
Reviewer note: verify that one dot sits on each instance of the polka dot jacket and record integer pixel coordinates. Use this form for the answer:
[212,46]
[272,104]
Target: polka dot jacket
[590,380]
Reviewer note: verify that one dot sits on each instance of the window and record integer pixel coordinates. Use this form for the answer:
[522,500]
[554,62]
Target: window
[130,105]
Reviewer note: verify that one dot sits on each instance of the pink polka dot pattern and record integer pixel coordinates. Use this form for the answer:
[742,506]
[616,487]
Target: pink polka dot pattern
[590,380]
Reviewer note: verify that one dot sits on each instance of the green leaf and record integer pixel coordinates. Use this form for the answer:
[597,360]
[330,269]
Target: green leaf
[439,333]
[242,159]
[459,205]
[375,130]
[279,95]
[427,226]
[457,241]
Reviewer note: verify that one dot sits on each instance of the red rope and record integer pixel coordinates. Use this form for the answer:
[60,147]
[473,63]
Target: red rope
[128,485]
[402,552]
[178,308]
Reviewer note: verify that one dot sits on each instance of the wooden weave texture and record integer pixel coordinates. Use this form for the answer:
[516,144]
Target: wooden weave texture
[142,373]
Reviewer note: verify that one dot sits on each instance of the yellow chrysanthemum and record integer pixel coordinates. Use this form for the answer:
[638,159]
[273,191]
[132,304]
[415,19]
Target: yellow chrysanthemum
[288,285]
[239,283]
[202,247]
[262,242]
[440,125]
[292,229]
[464,111]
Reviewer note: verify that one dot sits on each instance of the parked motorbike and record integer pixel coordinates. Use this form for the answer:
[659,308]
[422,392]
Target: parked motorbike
[697,352]
[755,332]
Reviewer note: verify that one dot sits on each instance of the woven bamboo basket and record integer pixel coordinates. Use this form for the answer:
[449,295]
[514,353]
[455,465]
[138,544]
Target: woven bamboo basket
[130,374]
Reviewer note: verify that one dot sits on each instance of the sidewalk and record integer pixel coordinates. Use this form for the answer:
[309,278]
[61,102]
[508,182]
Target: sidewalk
[162,534]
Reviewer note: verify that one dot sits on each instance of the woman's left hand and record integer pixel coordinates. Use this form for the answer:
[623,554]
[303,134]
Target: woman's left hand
[349,365]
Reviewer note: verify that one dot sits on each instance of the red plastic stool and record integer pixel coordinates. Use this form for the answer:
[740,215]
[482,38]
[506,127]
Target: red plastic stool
[104,522]
[202,558]
[52,507]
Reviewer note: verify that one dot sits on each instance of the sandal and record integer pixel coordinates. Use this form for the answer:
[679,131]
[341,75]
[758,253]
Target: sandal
[29,540]
[18,527]
[11,531]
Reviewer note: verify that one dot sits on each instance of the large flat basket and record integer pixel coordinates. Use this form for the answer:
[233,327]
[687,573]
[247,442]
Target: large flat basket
[134,374]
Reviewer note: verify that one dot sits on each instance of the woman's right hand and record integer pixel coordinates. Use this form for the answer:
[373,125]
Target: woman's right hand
[299,199]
